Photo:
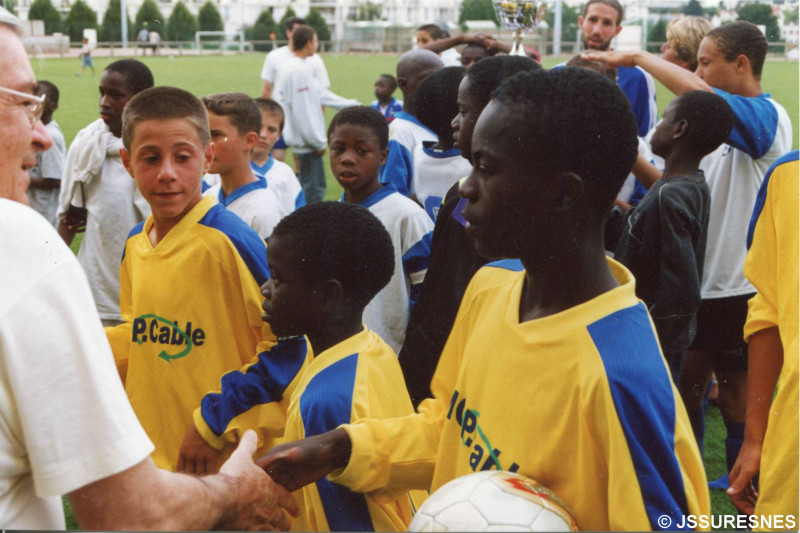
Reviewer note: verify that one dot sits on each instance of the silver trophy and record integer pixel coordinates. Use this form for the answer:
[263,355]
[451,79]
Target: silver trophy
[519,16]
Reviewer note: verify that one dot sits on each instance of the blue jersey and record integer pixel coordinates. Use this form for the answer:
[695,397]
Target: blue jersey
[394,106]
[405,133]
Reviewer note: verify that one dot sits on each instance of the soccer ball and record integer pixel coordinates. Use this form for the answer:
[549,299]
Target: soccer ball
[493,501]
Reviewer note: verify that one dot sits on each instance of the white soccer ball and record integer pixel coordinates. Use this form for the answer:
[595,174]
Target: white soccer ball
[493,501]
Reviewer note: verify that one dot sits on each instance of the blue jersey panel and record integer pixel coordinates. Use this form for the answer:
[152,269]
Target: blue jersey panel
[514,265]
[629,350]
[755,124]
[250,246]
[326,404]
[762,193]
[137,229]
[398,168]
[263,382]
[416,258]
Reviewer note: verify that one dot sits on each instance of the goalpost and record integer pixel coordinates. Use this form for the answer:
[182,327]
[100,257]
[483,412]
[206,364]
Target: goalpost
[228,38]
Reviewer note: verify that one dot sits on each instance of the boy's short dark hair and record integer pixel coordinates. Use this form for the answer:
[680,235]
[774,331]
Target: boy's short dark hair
[341,241]
[487,74]
[738,38]
[301,36]
[363,116]
[709,117]
[241,110]
[391,79]
[598,66]
[268,105]
[575,121]
[136,73]
[432,29]
[49,90]
[295,21]
[436,100]
[611,3]
[164,103]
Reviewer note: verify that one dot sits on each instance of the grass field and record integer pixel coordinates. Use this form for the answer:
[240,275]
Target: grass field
[351,76]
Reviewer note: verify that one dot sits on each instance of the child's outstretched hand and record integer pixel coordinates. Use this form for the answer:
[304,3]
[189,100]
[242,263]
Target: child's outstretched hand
[196,455]
[296,464]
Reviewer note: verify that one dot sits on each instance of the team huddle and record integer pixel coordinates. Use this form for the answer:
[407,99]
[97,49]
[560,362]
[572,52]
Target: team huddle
[527,271]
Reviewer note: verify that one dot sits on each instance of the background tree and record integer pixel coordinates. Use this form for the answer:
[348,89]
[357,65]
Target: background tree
[657,35]
[761,14]
[315,20]
[149,13]
[368,11]
[44,10]
[11,5]
[111,28]
[693,8]
[790,15]
[476,10]
[569,22]
[261,30]
[80,17]
[209,19]
[288,14]
[181,24]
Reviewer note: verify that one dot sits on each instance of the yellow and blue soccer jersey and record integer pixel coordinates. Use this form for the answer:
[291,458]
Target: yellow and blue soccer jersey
[772,267]
[192,311]
[355,379]
[581,401]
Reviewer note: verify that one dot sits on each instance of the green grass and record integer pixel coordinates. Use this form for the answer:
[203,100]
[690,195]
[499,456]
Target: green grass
[351,76]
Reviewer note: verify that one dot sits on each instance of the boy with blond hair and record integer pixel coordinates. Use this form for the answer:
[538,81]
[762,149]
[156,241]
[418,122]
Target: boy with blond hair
[170,351]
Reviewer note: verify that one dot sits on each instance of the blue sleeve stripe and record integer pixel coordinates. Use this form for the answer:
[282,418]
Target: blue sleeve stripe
[642,393]
[326,403]
[755,123]
[263,382]
[248,243]
[416,258]
[398,168]
[137,229]
[300,200]
[514,265]
[762,193]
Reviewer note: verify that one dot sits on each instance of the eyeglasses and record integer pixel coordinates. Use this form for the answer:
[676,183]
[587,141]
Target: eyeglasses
[34,105]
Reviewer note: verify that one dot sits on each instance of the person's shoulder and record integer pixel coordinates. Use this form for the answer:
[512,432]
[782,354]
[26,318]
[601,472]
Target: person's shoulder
[494,279]
[279,168]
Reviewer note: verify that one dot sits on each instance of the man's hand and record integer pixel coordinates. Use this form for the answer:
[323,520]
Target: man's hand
[196,455]
[612,58]
[741,492]
[261,503]
[296,464]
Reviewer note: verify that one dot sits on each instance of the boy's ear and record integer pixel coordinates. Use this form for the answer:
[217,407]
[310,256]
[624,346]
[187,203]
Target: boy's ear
[681,127]
[384,155]
[208,156]
[742,63]
[250,140]
[570,191]
[401,83]
[332,294]
[126,161]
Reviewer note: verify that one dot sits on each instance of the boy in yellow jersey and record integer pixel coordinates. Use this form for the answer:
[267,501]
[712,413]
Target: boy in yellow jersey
[327,261]
[190,276]
[770,438]
[553,367]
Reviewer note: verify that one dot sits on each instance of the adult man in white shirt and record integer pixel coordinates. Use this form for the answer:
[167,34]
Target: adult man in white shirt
[92,448]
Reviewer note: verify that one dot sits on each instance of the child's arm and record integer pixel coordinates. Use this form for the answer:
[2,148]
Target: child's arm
[255,397]
[119,337]
[764,363]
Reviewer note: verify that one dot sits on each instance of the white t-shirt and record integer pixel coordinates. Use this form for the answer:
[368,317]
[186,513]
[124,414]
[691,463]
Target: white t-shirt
[49,164]
[255,203]
[115,206]
[271,69]
[451,58]
[734,172]
[66,421]
[435,171]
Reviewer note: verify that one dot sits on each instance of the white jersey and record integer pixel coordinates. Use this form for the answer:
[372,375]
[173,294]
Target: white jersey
[435,171]
[50,165]
[283,182]
[66,421]
[411,231]
[406,132]
[734,172]
[451,58]
[255,203]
